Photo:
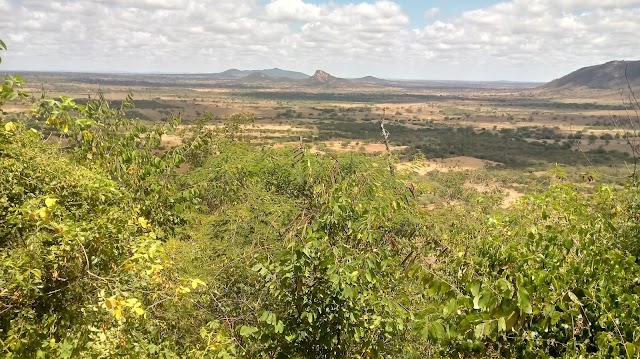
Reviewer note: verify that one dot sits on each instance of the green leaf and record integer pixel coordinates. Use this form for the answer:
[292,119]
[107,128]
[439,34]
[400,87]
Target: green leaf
[475,289]
[485,299]
[524,301]
[630,349]
[451,307]
[504,287]
[512,320]
[246,331]
[574,298]
[438,330]
[279,327]
[568,243]
[369,275]
[502,325]
[479,331]
[476,302]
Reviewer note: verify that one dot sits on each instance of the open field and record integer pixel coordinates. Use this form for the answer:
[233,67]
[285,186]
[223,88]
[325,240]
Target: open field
[432,128]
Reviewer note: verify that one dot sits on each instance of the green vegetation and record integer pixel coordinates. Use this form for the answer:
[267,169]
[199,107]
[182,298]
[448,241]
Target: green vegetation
[509,147]
[114,247]
[454,111]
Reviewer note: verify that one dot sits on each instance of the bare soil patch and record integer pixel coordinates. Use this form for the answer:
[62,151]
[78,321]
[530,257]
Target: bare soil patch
[452,164]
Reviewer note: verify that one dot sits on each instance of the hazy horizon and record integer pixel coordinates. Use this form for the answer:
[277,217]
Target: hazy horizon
[438,40]
[308,73]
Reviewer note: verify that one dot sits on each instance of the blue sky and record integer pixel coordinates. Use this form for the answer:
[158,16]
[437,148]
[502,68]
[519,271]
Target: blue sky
[416,9]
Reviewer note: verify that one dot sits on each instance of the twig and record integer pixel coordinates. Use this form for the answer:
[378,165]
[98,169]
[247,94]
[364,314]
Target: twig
[86,257]
[385,134]
[633,100]
[585,156]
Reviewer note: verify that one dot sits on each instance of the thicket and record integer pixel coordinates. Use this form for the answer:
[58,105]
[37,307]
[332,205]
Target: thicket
[509,147]
[108,250]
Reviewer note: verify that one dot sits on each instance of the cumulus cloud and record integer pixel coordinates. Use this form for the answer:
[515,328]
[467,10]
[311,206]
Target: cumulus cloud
[541,32]
[432,12]
[518,39]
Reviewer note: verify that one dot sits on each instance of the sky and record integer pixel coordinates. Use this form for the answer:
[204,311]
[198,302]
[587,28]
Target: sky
[479,40]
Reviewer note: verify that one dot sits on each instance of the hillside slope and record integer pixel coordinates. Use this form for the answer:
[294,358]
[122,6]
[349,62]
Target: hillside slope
[608,76]
[322,78]
[272,73]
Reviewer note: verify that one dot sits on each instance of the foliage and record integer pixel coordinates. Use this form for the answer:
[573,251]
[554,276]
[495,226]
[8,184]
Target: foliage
[10,90]
[82,266]
[104,137]
[555,277]
[335,291]
[76,254]
[3,46]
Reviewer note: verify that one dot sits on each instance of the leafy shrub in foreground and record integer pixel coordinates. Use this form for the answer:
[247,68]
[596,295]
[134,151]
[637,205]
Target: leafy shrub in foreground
[552,279]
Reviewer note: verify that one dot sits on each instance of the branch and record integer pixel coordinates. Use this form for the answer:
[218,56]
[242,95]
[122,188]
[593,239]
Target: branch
[385,134]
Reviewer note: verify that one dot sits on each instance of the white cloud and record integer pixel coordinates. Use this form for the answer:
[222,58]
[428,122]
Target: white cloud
[293,10]
[432,12]
[519,39]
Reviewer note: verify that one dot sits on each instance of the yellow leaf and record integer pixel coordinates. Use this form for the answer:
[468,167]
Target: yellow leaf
[43,213]
[10,126]
[117,313]
[142,222]
[196,282]
[110,303]
[87,135]
[50,202]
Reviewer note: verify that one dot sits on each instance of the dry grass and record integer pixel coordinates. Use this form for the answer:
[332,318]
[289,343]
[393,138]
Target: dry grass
[452,164]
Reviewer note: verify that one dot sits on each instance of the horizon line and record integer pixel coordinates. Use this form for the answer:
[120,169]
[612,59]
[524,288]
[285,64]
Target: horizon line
[275,68]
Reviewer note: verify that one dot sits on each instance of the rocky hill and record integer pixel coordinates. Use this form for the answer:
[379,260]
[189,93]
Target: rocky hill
[608,76]
[322,78]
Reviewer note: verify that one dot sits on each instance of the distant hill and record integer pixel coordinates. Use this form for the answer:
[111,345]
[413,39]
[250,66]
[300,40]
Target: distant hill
[608,76]
[285,74]
[233,73]
[321,78]
[255,77]
[370,80]
[275,73]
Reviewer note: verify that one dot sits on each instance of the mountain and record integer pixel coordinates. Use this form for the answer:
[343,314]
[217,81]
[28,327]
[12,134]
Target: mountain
[255,77]
[285,74]
[608,76]
[233,73]
[273,73]
[321,78]
[370,80]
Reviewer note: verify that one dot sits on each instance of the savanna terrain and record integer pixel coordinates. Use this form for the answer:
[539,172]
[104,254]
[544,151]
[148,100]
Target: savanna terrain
[180,216]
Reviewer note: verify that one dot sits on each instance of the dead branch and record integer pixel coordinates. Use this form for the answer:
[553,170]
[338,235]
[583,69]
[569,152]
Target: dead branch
[385,134]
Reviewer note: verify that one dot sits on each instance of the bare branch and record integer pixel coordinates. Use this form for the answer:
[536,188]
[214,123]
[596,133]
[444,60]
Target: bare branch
[385,134]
